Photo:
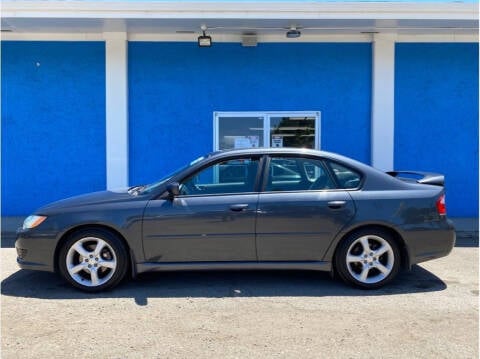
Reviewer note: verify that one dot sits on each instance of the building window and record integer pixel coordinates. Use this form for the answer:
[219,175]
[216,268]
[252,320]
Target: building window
[233,130]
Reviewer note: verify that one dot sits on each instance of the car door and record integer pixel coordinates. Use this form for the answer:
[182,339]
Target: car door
[300,210]
[213,218]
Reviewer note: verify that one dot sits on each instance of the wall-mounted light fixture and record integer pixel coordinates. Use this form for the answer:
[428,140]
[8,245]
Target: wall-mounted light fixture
[293,32]
[204,40]
[249,39]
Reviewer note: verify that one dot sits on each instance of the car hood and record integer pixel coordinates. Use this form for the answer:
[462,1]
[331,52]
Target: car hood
[93,198]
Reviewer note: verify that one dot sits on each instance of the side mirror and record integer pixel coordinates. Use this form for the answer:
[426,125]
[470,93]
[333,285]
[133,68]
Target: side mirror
[173,189]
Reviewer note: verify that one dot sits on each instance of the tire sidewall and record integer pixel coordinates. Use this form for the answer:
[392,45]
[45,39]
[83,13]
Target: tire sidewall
[341,264]
[114,242]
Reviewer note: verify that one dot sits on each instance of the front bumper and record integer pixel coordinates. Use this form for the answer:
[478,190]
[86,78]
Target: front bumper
[35,250]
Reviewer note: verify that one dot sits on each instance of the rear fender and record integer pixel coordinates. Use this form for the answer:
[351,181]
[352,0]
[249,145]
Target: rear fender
[395,232]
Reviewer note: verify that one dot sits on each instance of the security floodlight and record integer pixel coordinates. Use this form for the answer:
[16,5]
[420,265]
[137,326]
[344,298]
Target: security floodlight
[293,33]
[204,40]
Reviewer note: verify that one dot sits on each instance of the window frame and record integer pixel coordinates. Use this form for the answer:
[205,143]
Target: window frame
[267,115]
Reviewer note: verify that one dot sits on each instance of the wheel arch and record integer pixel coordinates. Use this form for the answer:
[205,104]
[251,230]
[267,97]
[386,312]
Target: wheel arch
[85,227]
[397,237]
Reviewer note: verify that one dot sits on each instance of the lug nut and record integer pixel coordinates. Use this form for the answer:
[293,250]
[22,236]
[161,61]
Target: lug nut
[86,259]
[95,264]
[89,266]
[96,259]
[91,255]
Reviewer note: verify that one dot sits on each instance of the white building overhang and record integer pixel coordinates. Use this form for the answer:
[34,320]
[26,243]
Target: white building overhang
[229,19]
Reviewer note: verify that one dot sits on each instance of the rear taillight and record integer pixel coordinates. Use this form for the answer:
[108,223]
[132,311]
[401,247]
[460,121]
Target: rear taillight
[441,209]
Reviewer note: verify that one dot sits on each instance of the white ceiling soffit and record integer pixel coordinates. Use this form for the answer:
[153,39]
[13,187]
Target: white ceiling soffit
[235,26]
[167,20]
[301,10]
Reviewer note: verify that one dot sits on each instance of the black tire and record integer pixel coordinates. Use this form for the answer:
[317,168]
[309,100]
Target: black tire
[93,272]
[380,268]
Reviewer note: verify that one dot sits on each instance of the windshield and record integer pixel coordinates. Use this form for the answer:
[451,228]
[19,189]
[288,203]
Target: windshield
[153,186]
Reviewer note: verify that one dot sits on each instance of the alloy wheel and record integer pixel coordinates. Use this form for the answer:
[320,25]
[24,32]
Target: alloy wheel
[91,261]
[370,259]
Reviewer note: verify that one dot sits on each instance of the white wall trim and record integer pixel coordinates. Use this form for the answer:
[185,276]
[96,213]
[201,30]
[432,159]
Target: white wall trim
[174,37]
[219,37]
[116,57]
[383,85]
[447,37]
[51,36]
[238,9]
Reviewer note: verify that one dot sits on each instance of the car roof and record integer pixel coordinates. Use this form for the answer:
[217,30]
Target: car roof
[269,150]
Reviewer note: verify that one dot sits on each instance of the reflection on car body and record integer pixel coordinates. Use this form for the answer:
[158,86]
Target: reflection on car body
[246,209]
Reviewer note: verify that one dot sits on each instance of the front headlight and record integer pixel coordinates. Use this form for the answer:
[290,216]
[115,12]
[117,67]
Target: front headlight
[33,221]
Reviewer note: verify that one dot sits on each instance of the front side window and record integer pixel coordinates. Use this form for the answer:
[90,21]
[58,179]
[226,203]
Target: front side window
[297,174]
[232,176]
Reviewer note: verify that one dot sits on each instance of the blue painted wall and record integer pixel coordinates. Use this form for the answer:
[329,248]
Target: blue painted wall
[176,87]
[436,117]
[53,122]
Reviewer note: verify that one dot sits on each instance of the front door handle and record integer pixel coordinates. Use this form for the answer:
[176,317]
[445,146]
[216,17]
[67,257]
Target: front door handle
[336,204]
[238,207]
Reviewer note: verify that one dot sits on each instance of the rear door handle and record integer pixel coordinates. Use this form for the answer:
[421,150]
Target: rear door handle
[238,207]
[336,204]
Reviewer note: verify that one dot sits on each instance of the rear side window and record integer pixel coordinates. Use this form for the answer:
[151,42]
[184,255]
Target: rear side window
[297,174]
[346,177]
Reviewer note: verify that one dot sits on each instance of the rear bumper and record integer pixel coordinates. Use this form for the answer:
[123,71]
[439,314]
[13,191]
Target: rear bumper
[435,241]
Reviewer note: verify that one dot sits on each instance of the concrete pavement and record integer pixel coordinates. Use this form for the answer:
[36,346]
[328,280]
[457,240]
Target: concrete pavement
[430,312]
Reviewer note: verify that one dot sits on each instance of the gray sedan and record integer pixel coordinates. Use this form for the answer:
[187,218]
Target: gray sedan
[246,209]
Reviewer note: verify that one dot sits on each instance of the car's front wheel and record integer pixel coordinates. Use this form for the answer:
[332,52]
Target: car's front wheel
[368,259]
[93,260]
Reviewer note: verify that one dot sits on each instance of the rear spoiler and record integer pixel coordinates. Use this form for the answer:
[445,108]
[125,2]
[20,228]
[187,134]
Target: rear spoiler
[420,177]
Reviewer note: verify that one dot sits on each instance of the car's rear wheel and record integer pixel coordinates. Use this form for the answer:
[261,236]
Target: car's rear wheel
[369,259]
[93,260]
